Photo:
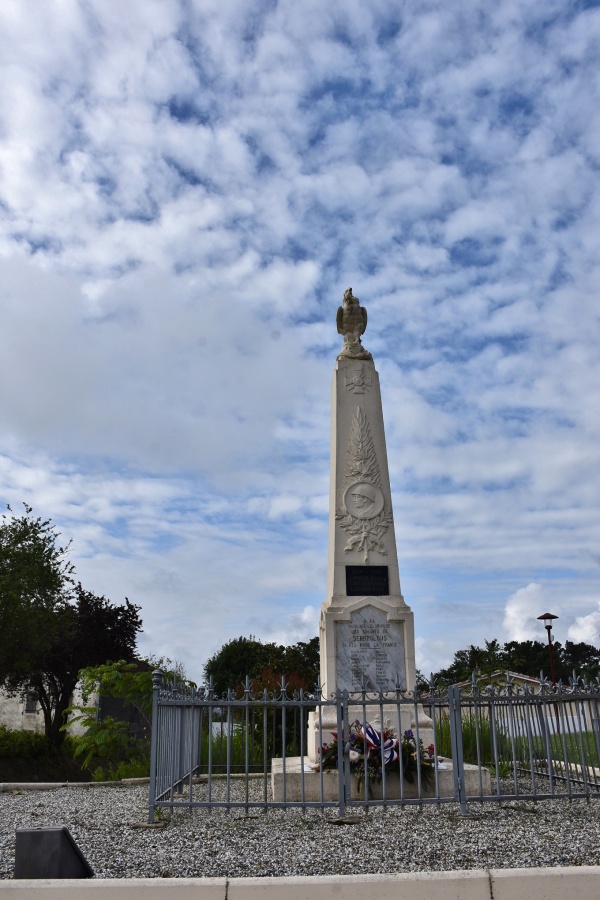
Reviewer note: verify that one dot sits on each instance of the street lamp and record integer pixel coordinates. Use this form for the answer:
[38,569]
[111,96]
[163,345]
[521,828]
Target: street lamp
[547,619]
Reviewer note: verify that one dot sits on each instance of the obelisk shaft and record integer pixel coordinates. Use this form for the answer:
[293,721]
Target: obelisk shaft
[366,632]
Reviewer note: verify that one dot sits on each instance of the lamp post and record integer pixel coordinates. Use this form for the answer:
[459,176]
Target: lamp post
[547,619]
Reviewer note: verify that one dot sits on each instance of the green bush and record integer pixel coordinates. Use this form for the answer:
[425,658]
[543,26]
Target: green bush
[108,739]
[27,745]
[23,744]
[134,768]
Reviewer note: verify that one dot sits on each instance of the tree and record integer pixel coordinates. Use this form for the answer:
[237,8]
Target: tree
[482,660]
[49,629]
[264,663]
[114,739]
[88,631]
[582,658]
[35,576]
[525,657]
[529,657]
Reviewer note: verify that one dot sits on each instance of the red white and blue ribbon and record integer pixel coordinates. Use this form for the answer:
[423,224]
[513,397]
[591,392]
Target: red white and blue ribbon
[373,742]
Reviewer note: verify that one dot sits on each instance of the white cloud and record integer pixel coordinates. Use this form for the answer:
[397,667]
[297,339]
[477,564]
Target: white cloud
[586,628]
[187,189]
[521,612]
[432,655]
[302,626]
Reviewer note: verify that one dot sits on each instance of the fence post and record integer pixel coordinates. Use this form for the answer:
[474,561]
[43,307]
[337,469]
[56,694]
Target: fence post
[182,740]
[339,699]
[458,762]
[157,681]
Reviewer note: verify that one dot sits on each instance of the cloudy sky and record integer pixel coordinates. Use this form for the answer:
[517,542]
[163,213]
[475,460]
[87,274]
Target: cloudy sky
[186,189]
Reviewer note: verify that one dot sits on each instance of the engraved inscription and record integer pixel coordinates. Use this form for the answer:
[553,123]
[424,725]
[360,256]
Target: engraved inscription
[370,651]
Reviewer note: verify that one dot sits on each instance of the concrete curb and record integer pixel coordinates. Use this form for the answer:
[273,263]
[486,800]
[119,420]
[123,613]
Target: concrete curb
[7,787]
[473,884]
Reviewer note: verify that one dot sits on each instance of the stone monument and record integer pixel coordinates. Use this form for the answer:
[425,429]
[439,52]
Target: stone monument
[366,628]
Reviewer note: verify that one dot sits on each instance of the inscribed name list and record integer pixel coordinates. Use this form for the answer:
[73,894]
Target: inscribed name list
[372,648]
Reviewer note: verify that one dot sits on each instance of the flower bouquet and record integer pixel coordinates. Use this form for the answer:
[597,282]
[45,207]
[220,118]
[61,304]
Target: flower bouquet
[365,742]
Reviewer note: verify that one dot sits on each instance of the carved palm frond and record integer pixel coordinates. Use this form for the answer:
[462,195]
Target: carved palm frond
[361,458]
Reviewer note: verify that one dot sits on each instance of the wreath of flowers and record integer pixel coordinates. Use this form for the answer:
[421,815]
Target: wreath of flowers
[364,742]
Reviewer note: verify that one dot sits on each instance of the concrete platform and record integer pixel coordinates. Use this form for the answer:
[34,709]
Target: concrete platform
[298,769]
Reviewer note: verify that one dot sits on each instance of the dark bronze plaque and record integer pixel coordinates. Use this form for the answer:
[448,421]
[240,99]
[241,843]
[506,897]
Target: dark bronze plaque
[367,581]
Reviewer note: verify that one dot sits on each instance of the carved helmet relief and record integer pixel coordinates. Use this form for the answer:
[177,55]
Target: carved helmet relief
[363,516]
[363,500]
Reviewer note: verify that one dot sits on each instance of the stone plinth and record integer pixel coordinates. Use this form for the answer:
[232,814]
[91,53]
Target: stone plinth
[312,783]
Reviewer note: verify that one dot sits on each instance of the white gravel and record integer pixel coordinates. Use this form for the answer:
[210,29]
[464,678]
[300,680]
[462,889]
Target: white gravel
[509,834]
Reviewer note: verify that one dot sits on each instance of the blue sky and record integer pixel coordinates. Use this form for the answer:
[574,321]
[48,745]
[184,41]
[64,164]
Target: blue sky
[186,189]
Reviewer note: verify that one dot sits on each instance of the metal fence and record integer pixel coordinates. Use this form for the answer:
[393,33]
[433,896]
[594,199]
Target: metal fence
[247,750]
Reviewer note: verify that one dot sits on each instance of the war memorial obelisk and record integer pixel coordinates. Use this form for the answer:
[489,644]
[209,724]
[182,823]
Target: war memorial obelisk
[366,629]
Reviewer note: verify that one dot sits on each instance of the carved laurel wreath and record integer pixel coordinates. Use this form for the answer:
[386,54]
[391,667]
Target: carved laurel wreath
[364,534]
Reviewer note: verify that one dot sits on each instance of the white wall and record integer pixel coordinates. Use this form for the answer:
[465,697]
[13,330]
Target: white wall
[13,715]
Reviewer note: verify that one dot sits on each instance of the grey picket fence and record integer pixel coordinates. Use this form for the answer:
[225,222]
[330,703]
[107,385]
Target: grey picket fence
[249,750]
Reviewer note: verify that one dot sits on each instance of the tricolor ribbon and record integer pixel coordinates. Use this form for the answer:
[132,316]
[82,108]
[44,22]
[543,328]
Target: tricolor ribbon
[373,742]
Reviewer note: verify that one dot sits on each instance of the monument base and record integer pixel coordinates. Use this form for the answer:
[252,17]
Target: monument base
[367,643]
[298,769]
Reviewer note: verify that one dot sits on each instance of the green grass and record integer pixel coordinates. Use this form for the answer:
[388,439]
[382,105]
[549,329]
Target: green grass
[469,739]
[236,747]
[572,742]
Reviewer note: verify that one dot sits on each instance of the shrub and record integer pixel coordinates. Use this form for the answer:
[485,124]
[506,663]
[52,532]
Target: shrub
[134,768]
[109,739]
[23,744]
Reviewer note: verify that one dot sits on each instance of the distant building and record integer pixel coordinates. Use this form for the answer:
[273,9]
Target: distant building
[576,714]
[500,677]
[25,713]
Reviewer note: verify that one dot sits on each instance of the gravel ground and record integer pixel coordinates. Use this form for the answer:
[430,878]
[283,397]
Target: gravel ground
[102,820]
